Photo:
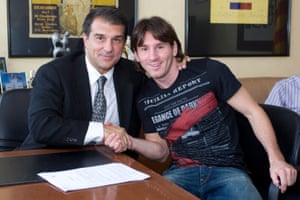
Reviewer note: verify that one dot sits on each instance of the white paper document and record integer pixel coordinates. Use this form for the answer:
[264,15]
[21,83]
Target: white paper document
[95,176]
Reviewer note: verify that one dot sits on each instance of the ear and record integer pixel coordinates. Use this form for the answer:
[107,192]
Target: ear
[175,48]
[84,39]
[136,57]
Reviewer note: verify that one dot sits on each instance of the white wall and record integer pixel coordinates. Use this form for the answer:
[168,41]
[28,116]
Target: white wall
[174,11]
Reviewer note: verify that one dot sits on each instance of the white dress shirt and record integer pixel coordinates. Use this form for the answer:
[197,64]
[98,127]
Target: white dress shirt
[95,130]
[286,93]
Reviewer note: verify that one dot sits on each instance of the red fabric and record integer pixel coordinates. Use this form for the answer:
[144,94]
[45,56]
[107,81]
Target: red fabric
[191,116]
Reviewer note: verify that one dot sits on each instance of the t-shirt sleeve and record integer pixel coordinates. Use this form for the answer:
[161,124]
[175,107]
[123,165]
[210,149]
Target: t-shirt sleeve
[224,81]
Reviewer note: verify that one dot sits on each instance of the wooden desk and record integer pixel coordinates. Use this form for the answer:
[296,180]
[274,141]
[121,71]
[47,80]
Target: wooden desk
[155,188]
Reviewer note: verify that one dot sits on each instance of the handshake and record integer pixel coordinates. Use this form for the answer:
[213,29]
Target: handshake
[117,138]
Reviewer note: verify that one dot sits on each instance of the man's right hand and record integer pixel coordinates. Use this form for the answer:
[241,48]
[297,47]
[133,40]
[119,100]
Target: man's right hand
[116,138]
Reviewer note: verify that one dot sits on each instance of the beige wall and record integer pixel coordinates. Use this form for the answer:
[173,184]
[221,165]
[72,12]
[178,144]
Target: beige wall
[173,11]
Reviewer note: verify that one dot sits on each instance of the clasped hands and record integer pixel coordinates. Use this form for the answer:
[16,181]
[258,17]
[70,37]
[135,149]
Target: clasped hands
[116,138]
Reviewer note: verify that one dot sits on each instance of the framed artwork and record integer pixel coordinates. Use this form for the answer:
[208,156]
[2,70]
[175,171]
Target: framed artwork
[207,38]
[28,38]
[15,80]
[2,65]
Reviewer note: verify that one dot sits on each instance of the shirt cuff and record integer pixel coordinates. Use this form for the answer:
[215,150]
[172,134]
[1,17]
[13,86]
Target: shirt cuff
[94,133]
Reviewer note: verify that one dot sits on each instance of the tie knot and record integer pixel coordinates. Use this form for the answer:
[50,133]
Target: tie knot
[101,81]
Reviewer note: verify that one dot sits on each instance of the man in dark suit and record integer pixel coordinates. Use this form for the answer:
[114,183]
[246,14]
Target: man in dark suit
[64,89]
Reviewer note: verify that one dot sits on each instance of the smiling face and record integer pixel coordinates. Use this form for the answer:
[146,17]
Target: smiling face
[158,60]
[104,44]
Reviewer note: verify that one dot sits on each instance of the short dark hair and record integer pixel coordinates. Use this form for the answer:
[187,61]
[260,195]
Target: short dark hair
[160,29]
[111,14]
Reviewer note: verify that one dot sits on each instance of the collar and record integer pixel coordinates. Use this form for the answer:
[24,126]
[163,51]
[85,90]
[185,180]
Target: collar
[94,74]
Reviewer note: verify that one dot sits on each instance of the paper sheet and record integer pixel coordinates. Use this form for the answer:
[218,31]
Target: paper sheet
[95,176]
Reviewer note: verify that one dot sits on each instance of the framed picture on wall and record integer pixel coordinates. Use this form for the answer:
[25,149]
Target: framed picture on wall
[2,70]
[31,24]
[15,80]
[2,65]
[206,36]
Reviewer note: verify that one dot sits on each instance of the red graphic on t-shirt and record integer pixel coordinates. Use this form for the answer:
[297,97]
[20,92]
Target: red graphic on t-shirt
[190,116]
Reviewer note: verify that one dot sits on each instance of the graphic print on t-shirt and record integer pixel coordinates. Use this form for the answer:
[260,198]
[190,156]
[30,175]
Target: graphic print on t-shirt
[188,116]
[181,128]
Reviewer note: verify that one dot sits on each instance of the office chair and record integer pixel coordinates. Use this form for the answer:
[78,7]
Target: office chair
[13,118]
[286,124]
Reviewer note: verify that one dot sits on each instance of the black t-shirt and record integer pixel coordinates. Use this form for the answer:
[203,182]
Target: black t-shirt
[193,116]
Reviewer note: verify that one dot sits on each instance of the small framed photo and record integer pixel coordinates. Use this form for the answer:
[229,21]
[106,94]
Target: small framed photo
[2,65]
[14,80]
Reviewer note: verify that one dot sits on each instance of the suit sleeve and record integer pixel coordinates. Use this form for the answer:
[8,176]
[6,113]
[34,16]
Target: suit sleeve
[55,116]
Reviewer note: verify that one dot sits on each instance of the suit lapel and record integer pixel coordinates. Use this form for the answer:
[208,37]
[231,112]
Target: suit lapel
[82,87]
[124,93]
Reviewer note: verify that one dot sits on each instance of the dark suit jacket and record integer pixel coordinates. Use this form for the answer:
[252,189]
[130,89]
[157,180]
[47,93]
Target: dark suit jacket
[60,107]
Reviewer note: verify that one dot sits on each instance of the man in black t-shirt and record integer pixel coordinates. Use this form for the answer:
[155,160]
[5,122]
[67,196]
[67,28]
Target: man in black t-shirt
[189,114]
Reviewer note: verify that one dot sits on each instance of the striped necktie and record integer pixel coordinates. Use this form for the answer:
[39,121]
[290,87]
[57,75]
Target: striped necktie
[99,108]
